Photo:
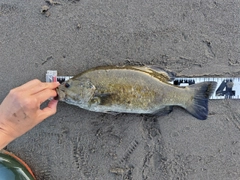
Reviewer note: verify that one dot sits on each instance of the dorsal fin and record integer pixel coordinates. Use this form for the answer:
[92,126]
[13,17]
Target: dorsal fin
[153,70]
[158,72]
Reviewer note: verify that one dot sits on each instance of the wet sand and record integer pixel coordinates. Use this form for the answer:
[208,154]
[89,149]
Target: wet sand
[70,36]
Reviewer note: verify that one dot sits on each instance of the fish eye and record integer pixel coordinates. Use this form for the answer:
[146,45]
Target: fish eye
[67,85]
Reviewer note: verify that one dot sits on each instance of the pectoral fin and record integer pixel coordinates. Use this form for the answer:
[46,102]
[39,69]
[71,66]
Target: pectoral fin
[101,99]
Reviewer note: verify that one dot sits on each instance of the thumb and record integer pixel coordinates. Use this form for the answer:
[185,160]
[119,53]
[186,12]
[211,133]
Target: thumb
[49,110]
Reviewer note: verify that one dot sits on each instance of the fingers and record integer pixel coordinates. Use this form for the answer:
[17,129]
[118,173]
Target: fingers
[29,84]
[42,86]
[45,94]
[41,91]
[49,110]
[35,86]
[52,104]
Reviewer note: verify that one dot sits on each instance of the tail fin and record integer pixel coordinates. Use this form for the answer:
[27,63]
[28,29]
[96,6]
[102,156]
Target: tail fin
[199,105]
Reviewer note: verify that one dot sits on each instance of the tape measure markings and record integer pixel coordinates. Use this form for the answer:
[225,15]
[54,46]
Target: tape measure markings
[51,76]
[61,79]
[227,87]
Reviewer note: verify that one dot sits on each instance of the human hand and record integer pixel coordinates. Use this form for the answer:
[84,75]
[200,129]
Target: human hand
[20,110]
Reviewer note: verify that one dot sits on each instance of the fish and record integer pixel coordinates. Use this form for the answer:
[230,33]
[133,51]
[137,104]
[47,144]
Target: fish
[134,89]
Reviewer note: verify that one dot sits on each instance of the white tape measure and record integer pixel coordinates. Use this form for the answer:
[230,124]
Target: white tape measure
[227,88]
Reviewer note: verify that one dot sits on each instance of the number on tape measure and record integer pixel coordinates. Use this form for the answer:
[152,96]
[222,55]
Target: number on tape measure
[51,76]
[227,88]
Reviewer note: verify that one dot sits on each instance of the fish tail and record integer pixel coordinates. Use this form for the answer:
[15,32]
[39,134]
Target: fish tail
[198,105]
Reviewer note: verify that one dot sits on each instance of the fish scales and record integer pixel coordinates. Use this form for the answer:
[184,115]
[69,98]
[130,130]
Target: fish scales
[132,89]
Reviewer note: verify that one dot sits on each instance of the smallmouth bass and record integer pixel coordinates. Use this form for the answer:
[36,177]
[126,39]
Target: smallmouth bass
[133,89]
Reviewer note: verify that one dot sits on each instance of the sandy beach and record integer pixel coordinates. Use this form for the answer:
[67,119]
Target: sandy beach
[191,38]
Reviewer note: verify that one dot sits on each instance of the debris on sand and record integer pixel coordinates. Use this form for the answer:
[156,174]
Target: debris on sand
[44,10]
[51,2]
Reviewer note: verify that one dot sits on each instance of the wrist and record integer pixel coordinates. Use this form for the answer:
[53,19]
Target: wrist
[5,135]
[4,139]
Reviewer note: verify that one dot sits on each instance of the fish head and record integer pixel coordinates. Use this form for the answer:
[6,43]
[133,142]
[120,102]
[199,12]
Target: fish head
[76,91]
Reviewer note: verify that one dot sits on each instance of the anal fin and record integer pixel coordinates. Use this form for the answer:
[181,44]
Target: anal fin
[113,113]
[164,111]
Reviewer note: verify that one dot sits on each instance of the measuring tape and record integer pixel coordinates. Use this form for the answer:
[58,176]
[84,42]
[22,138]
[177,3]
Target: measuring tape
[227,88]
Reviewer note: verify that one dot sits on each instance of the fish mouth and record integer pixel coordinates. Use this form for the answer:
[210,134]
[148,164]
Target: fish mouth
[60,95]
[56,97]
